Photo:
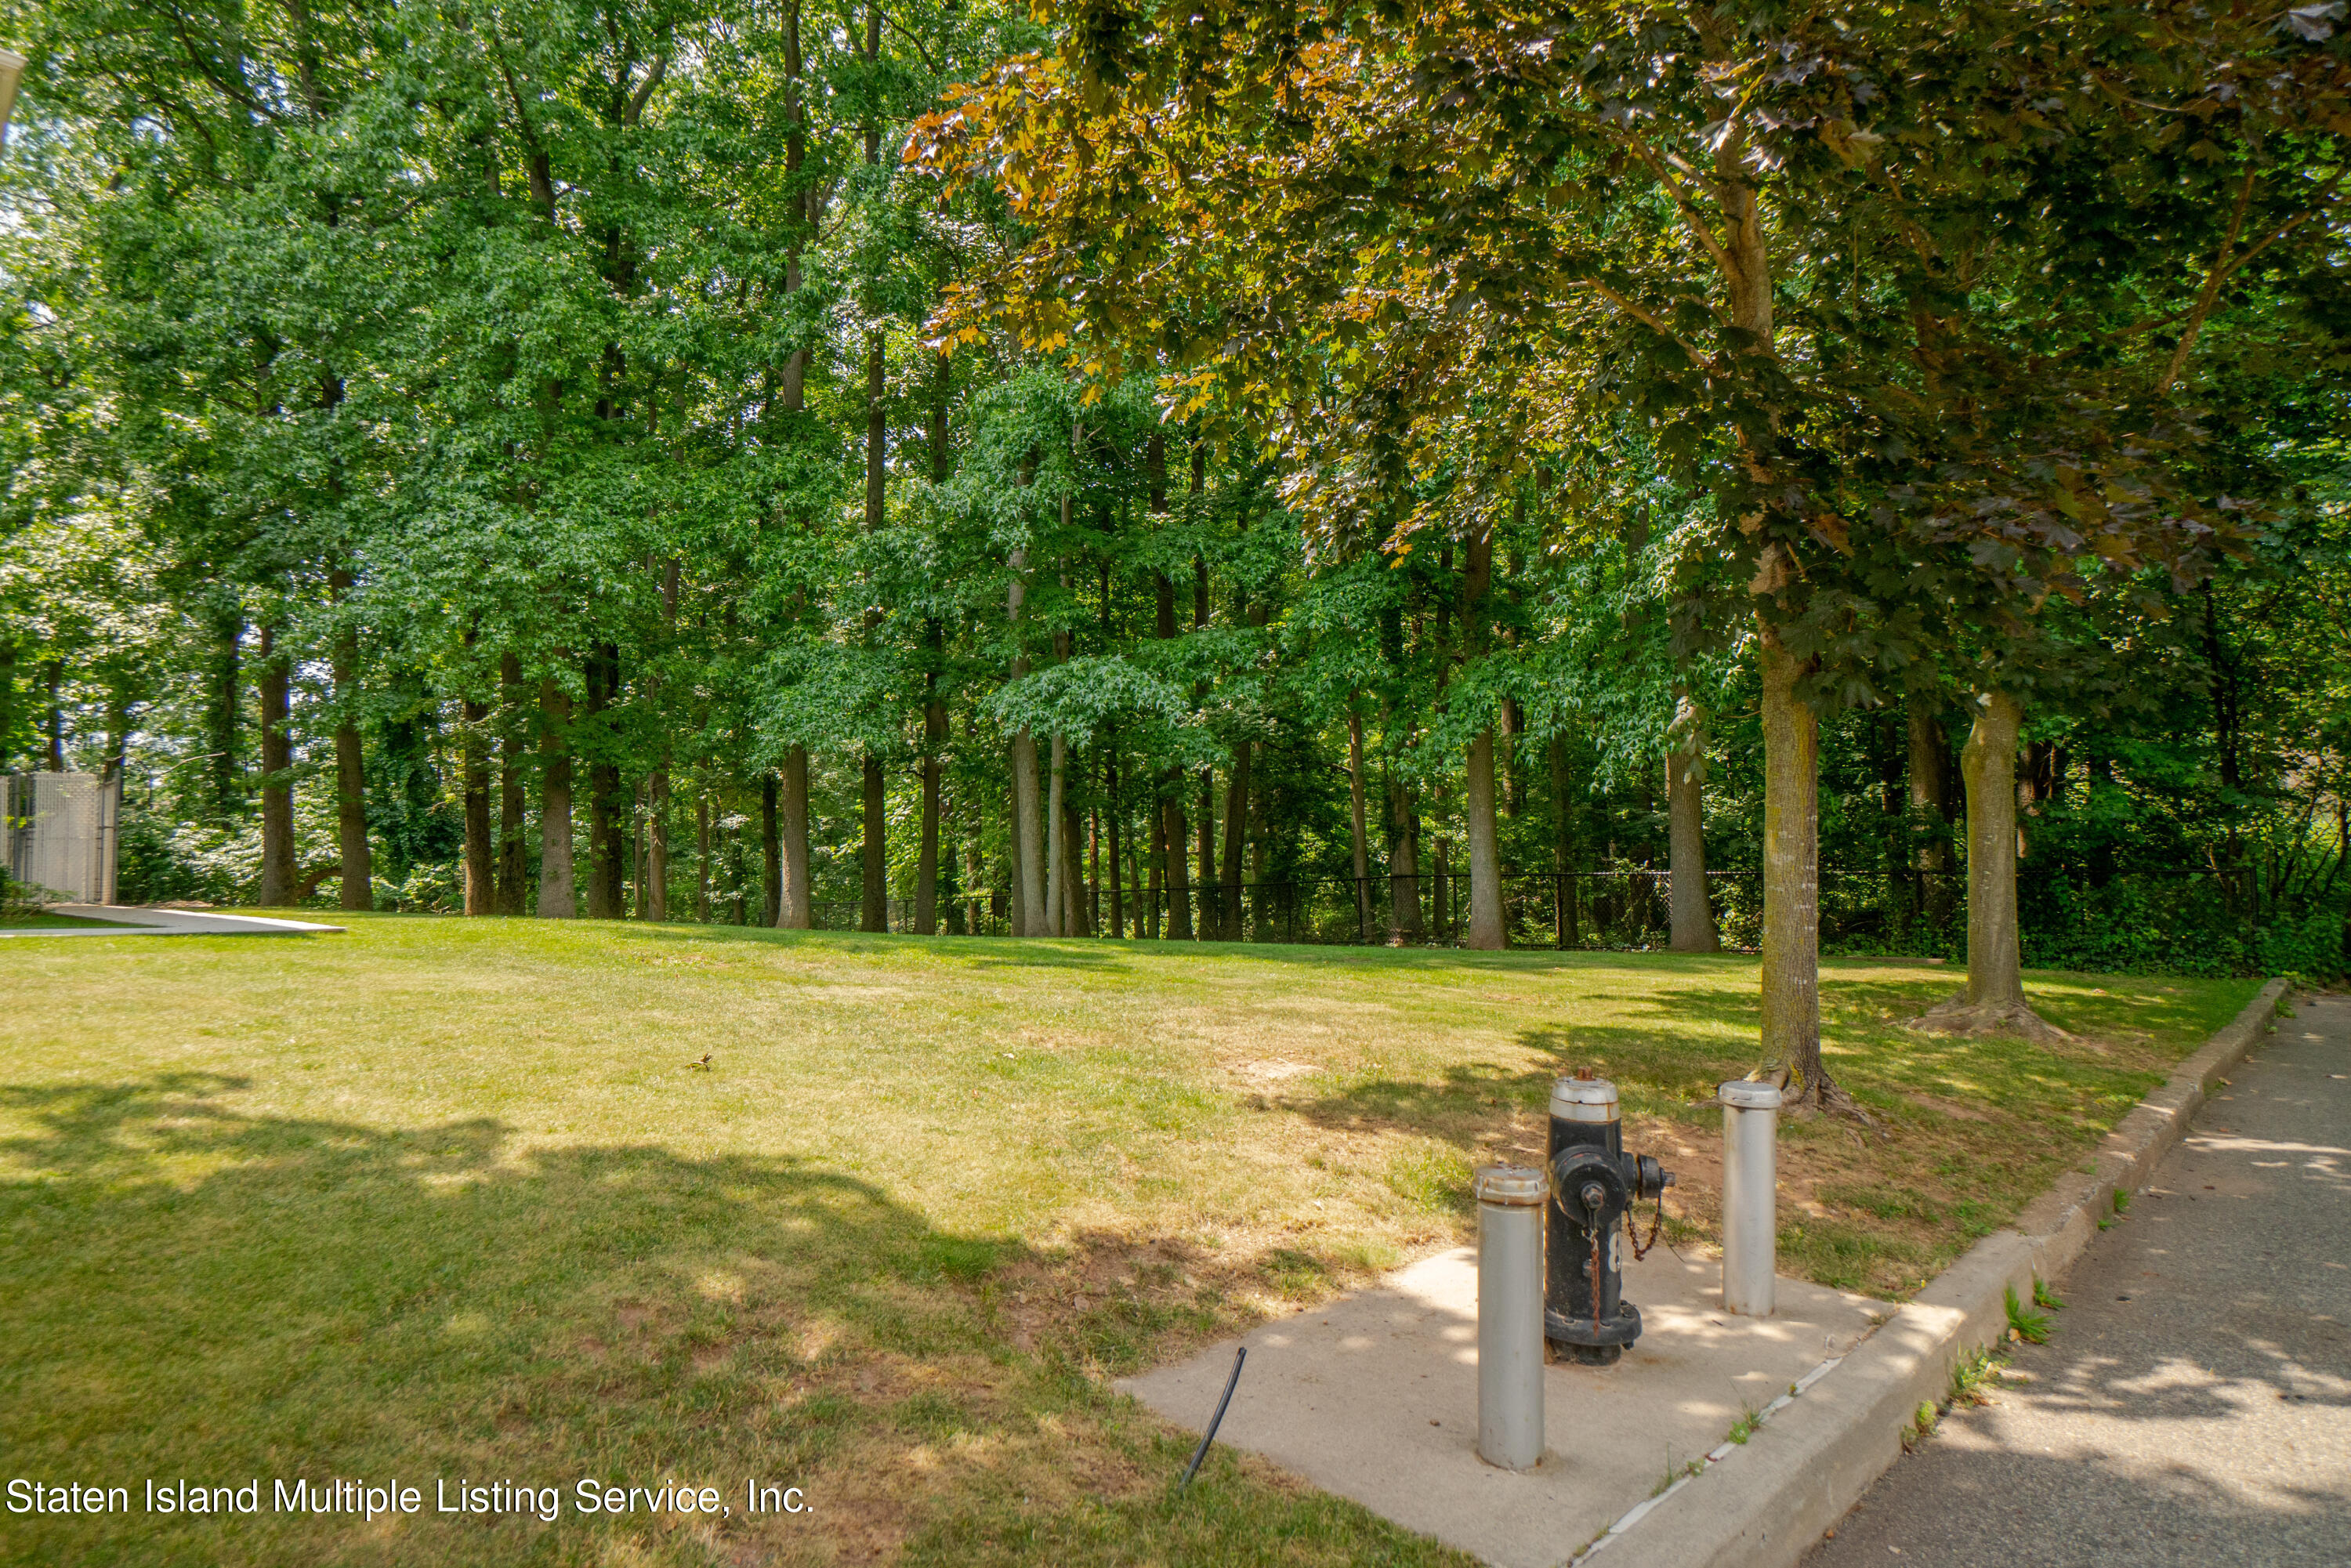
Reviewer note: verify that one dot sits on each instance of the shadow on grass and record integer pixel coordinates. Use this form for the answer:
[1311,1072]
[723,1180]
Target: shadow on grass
[194,1289]
[1094,952]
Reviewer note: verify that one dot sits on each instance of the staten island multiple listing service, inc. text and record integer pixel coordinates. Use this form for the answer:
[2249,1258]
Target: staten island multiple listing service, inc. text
[367,1500]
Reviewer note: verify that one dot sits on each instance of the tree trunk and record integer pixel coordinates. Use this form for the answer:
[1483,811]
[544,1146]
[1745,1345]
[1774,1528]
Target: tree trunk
[358,874]
[278,868]
[481,882]
[1212,923]
[607,844]
[1486,929]
[1073,875]
[1028,832]
[1563,845]
[514,856]
[1177,845]
[1117,872]
[1362,842]
[1028,811]
[1930,815]
[1403,865]
[556,897]
[1993,1002]
[702,859]
[874,914]
[225,701]
[1440,887]
[1236,801]
[1154,871]
[974,871]
[771,854]
[1791,933]
[794,910]
[1056,858]
[935,736]
[1693,912]
[656,891]
[56,726]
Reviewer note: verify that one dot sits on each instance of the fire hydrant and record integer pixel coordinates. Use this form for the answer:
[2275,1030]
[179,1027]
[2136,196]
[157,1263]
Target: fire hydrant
[1593,1186]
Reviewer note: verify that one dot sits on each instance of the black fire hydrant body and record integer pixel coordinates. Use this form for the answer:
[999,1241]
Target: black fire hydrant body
[1593,1184]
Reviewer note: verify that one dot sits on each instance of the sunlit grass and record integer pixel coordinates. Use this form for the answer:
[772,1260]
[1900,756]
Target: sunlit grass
[443,1198]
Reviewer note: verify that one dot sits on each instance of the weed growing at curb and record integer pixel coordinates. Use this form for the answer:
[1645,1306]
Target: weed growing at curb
[2121,1201]
[1672,1474]
[2043,1296]
[2030,1327]
[1921,1428]
[1750,1418]
[1973,1376]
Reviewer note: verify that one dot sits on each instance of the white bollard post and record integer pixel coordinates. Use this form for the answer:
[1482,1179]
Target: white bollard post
[1510,1314]
[1750,1178]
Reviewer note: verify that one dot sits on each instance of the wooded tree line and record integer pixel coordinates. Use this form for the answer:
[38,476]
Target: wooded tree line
[1072,471]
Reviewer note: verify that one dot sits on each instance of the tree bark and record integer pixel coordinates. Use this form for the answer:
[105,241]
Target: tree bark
[1693,911]
[702,859]
[1212,923]
[1028,811]
[935,736]
[514,856]
[794,912]
[1237,802]
[1403,864]
[1074,922]
[607,843]
[771,854]
[1154,871]
[56,726]
[1930,815]
[1175,846]
[1362,842]
[224,702]
[656,894]
[278,868]
[481,881]
[1563,844]
[1027,847]
[874,910]
[1791,999]
[358,874]
[1056,858]
[556,897]
[1993,1002]
[1995,963]
[1488,931]
[1117,873]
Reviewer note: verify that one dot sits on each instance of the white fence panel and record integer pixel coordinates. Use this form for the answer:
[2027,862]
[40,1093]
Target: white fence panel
[63,833]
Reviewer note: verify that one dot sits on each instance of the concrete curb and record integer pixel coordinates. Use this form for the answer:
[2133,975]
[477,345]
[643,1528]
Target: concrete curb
[1766,1504]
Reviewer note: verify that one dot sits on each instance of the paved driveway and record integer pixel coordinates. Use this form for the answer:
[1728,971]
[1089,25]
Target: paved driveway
[2193,1403]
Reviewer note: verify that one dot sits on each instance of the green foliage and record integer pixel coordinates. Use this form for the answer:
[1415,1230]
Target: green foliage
[2030,1327]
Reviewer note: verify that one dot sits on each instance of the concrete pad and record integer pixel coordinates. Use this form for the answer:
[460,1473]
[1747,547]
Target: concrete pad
[1375,1397]
[130,920]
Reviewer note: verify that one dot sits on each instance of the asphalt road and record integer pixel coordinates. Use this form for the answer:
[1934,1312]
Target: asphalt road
[2193,1403]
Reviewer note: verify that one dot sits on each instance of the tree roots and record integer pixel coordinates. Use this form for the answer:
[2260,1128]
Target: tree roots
[1955,1017]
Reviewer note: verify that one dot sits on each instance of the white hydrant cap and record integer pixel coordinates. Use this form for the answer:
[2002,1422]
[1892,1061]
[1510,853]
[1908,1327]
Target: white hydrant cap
[1510,1186]
[1583,1100]
[1746,1094]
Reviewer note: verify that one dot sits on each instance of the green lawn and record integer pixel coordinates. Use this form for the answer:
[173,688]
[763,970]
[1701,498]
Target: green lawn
[442,1198]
